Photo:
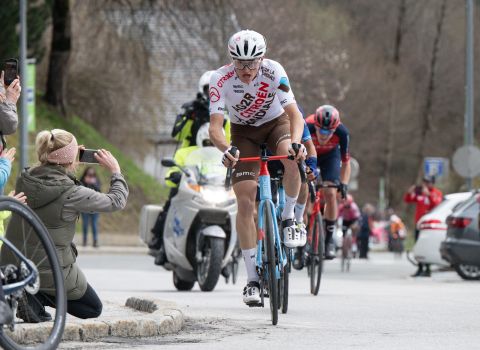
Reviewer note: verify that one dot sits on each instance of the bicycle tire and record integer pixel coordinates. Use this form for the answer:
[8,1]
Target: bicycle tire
[271,261]
[56,332]
[284,282]
[318,244]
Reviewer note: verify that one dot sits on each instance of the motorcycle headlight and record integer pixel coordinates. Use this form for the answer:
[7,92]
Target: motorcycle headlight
[217,196]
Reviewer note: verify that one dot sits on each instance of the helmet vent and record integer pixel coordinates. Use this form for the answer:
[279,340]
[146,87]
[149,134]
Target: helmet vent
[253,50]
[238,51]
[245,47]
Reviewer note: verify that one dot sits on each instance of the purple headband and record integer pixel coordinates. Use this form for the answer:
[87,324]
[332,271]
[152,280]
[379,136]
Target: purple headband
[65,155]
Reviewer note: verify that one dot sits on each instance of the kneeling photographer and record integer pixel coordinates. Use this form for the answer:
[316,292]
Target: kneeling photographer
[58,199]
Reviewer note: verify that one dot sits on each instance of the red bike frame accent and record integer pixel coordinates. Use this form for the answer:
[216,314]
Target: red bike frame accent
[263,163]
[315,210]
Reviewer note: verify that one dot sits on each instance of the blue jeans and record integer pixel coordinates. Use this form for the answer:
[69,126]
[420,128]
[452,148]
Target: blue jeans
[86,219]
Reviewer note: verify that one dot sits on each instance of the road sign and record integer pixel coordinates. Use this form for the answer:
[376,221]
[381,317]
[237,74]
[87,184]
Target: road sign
[436,166]
[466,161]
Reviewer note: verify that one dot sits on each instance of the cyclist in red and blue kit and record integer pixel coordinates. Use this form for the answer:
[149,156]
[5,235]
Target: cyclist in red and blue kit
[331,139]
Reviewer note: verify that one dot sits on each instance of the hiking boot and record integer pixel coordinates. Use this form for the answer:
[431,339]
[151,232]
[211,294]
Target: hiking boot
[31,310]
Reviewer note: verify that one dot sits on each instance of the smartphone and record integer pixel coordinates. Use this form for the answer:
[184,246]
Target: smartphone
[11,71]
[418,190]
[87,156]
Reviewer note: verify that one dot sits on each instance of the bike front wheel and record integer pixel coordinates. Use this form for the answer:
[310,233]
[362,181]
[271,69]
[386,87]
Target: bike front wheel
[31,274]
[283,283]
[271,261]
[316,258]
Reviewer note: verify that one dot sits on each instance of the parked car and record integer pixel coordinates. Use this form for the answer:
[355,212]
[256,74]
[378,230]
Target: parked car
[433,230]
[462,246]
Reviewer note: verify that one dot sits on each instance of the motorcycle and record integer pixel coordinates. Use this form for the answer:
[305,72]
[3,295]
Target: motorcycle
[200,234]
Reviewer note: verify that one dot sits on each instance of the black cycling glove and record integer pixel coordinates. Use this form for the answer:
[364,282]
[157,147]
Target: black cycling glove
[343,189]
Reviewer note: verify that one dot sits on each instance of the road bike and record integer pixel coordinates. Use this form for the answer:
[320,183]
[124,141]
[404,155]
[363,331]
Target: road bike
[347,253]
[271,254]
[315,247]
[31,254]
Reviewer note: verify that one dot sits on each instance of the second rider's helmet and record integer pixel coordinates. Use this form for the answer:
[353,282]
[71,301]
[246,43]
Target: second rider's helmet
[204,82]
[203,137]
[247,45]
[327,118]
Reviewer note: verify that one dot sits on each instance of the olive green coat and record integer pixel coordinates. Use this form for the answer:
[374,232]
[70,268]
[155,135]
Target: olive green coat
[47,188]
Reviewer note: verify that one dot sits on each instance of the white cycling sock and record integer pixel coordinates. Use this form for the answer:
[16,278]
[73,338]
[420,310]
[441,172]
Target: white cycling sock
[288,210]
[249,258]
[299,210]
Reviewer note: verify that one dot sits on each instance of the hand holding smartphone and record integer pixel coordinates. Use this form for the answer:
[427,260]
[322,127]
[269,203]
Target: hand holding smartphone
[88,156]
[11,71]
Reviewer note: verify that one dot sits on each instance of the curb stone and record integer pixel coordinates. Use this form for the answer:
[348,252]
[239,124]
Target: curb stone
[166,320]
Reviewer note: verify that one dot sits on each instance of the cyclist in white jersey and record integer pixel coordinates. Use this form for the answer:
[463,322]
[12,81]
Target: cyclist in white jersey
[262,109]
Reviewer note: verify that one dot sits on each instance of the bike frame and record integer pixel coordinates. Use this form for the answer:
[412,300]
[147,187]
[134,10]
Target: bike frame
[266,196]
[316,210]
[13,287]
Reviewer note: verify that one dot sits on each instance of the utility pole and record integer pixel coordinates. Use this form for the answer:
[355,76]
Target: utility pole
[468,124]
[23,79]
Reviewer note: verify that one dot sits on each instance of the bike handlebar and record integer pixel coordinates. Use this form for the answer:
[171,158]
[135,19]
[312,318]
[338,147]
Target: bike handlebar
[228,179]
[312,187]
[233,151]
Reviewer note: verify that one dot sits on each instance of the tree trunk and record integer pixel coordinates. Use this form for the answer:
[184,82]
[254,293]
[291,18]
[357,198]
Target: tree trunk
[426,124]
[400,31]
[59,55]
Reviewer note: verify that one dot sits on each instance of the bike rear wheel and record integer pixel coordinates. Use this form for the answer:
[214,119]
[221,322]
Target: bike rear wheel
[30,240]
[316,258]
[270,261]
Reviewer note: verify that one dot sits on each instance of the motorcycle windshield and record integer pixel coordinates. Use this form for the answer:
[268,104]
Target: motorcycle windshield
[207,162]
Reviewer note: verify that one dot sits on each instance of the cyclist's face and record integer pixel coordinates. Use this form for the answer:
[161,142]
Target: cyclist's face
[322,136]
[247,70]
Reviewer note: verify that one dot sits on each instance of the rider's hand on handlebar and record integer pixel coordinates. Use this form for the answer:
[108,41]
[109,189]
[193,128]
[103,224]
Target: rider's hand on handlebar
[228,160]
[343,189]
[311,174]
[298,150]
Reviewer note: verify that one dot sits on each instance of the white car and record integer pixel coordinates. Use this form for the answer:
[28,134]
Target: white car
[433,230]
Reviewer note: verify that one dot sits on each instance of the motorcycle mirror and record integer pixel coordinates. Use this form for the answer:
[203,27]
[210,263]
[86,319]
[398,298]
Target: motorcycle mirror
[168,162]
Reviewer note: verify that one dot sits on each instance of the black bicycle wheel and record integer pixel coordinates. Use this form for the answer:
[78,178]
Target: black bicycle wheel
[32,240]
[269,242]
[284,282]
[316,258]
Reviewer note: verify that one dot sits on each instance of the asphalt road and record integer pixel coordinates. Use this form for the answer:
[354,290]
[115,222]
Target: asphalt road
[375,306]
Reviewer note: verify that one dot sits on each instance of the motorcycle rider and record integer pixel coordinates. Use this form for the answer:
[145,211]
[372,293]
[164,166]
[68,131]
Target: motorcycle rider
[172,180]
[195,114]
[185,130]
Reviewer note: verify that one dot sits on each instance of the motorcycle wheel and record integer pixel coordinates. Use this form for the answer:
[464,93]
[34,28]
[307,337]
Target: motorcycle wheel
[209,268]
[181,284]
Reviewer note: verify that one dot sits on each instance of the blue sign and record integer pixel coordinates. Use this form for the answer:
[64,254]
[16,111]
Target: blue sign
[436,166]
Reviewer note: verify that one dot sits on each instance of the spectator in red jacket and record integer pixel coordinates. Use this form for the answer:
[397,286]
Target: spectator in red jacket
[425,197]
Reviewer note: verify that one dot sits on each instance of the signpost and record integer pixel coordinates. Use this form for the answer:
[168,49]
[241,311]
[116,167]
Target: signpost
[30,85]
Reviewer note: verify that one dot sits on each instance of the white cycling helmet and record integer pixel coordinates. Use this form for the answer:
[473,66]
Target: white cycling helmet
[203,135]
[204,80]
[247,45]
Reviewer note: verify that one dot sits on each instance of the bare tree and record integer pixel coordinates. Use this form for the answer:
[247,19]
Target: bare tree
[59,55]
